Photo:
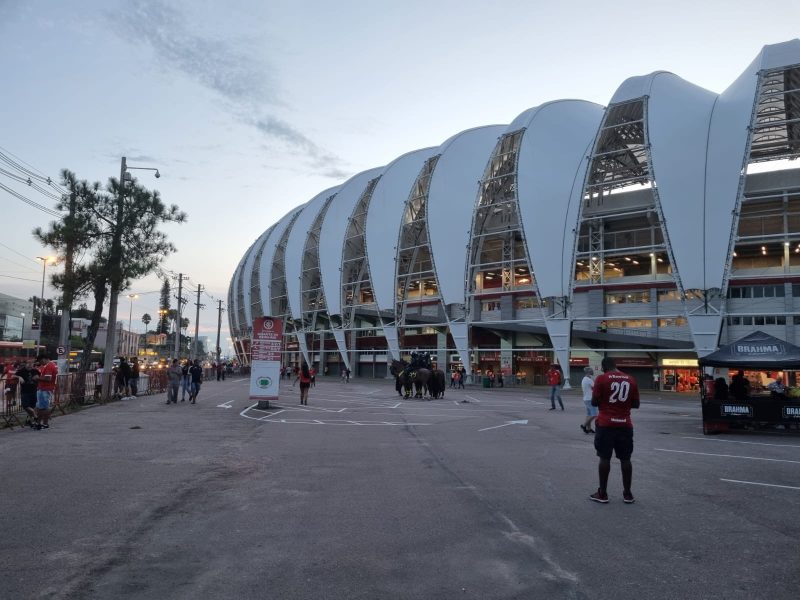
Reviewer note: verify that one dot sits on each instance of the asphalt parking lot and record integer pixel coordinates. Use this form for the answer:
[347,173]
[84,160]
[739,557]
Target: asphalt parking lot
[360,494]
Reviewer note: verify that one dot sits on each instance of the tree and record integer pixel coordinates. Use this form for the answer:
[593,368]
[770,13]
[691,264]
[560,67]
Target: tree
[71,236]
[109,224]
[146,320]
[164,305]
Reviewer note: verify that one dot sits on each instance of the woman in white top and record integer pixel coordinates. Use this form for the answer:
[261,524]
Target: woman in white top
[587,384]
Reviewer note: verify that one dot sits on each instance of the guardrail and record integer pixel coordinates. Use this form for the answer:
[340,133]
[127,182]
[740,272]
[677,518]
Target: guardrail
[78,389]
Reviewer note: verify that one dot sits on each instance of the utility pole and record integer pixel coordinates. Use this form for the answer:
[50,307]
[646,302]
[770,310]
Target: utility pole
[115,280]
[178,314]
[195,346]
[219,327]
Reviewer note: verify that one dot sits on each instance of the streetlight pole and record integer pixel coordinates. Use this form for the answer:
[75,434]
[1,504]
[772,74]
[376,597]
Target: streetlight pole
[22,334]
[44,260]
[131,298]
[116,272]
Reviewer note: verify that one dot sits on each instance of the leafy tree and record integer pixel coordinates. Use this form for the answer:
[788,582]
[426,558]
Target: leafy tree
[117,240]
[164,305]
[146,318]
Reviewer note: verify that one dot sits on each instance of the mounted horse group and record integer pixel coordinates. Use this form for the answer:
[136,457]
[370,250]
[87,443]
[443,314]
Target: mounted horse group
[418,377]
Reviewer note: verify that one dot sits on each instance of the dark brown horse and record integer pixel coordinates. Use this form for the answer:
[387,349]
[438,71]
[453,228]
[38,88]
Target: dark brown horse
[425,381]
[408,382]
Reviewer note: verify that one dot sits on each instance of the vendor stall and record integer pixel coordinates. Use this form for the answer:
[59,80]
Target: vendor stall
[753,385]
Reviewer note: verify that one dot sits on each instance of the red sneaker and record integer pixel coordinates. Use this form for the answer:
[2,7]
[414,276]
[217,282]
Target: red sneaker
[627,498]
[599,496]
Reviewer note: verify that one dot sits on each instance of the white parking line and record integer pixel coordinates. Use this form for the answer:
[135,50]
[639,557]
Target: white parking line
[705,439]
[729,456]
[473,399]
[786,487]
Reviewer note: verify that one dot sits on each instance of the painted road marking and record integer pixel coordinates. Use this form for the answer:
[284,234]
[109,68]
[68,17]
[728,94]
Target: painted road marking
[473,399]
[522,422]
[786,487]
[705,439]
[225,404]
[730,456]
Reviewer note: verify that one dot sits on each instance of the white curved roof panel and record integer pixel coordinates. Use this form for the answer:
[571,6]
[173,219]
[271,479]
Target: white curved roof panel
[247,274]
[268,255]
[635,87]
[295,247]
[678,117]
[237,274]
[384,216]
[331,239]
[551,165]
[451,202]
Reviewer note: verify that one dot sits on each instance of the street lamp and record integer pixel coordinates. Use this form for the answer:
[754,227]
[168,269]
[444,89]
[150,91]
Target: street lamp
[116,275]
[131,298]
[44,260]
[22,334]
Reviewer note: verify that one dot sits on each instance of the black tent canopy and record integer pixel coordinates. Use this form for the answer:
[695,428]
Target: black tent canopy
[758,351]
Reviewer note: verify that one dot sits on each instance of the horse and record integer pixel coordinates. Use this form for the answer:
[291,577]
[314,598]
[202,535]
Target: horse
[437,384]
[416,381]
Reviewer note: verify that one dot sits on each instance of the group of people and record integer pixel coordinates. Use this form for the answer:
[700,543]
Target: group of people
[740,390]
[188,377]
[37,381]
[457,377]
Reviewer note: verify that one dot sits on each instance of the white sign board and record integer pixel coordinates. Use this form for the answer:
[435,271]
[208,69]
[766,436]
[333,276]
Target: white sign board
[265,367]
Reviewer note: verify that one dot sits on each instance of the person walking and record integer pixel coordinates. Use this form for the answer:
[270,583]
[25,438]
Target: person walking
[27,375]
[313,373]
[133,381]
[174,378]
[462,375]
[196,373]
[45,387]
[587,384]
[554,380]
[186,381]
[615,393]
[125,376]
[304,376]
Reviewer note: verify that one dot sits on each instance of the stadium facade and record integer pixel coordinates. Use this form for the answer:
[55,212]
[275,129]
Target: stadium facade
[651,230]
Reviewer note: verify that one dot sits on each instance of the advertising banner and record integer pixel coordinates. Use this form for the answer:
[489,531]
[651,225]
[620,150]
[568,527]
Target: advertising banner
[265,369]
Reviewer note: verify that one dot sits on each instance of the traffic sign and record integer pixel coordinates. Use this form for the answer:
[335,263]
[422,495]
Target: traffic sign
[61,350]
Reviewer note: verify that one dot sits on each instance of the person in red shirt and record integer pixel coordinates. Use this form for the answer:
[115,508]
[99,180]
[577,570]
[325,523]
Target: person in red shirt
[46,386]
[554,381]
[304,376]
[615,393]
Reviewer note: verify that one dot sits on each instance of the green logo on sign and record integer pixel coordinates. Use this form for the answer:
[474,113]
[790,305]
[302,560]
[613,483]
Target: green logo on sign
[263,382]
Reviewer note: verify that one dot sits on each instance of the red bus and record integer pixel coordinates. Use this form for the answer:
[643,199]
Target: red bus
[11,352]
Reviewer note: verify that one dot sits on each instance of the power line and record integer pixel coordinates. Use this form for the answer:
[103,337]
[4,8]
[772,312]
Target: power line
[13,262]
[19,253]
[20,278]
[28,201]
[5,156]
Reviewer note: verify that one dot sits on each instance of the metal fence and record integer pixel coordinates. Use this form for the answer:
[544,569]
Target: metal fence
[77,389]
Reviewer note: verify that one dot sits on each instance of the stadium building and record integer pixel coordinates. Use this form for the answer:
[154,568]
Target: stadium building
[653,230]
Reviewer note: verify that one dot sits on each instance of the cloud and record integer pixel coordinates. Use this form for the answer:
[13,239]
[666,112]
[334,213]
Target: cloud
[319,158]
[217,64]
[229,68]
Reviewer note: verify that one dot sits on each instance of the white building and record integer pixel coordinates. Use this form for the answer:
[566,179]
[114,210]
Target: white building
[651,230]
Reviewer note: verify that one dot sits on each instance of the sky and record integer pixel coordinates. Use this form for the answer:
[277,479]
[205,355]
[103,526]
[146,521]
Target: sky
[249,108]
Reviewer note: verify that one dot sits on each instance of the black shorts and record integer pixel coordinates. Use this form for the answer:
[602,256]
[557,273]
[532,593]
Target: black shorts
[304,386]
[28,399]
[616,440]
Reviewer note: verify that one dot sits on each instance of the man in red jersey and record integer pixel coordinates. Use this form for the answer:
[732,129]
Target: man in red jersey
[46,386]
[615,393]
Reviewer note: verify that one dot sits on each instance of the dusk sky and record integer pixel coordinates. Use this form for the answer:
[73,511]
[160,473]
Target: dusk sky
[250,108]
